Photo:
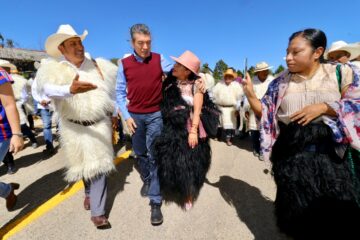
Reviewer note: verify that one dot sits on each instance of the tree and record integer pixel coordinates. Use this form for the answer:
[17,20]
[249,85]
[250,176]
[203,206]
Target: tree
[206,69]
[279,69]
[10,43]
[114,61]
[2,40]
[219,69]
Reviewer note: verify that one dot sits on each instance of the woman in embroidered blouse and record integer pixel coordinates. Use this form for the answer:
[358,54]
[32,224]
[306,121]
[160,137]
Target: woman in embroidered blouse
[302,113]
[182,150]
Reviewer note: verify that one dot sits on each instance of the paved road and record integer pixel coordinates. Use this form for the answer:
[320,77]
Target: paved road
[236,202]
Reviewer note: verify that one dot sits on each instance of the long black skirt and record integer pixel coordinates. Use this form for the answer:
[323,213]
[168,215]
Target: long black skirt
[181,170]
[316,195]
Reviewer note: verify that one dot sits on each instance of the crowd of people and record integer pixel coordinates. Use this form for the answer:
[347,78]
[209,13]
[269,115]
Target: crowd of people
[304,123]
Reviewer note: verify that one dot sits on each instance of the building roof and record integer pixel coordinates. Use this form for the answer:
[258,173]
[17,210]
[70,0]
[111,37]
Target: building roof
[22,54]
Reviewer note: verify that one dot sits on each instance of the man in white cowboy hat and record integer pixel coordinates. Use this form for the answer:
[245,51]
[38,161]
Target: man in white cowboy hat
[261,82]
[342,52]
[82,91]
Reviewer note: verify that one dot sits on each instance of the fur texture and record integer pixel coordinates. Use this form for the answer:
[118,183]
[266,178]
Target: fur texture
[182,170]
[18,86]
[88,149]
[315,190]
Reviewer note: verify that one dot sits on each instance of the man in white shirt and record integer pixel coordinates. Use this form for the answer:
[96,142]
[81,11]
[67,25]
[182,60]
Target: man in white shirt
[46,112]
[82,91]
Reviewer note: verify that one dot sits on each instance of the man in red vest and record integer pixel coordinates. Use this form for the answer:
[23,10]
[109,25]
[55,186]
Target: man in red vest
[139,82]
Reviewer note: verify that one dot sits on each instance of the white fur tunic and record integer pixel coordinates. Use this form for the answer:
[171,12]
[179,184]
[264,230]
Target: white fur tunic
[228,98]
[19,87]
[88,149]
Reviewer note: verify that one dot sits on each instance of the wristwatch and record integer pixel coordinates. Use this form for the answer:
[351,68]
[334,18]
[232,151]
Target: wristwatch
[18,134]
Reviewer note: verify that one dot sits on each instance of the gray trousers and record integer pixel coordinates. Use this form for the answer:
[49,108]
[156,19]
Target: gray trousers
[96,189]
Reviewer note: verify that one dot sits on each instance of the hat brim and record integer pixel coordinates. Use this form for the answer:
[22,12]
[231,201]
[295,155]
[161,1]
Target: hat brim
[9,65]
[184,64]
[263,69]
[353,49]
[230,74]
[54,40]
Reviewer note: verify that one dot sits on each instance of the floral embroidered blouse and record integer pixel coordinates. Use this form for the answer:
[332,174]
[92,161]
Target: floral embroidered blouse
[288,94]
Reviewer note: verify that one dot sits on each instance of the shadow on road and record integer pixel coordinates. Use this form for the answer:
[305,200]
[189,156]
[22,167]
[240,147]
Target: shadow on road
[255,210]
[117,181]
[37,193]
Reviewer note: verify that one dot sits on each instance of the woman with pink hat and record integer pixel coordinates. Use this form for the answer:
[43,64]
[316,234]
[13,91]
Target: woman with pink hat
[183,150]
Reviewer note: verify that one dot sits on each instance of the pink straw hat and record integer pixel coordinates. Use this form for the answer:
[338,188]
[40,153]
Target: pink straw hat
[189,60]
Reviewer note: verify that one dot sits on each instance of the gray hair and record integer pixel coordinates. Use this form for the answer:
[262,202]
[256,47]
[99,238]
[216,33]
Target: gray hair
[139,28]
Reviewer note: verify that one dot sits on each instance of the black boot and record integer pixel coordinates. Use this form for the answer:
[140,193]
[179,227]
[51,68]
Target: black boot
[145,188]
[156,215]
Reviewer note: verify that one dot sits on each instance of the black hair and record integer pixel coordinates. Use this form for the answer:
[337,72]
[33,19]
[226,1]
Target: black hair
[316,38]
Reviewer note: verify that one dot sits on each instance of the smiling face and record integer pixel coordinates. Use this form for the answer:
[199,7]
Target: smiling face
[73,50]
[142,44]
[301,57]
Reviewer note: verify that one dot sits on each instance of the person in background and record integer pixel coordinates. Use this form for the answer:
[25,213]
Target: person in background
[261,82]
[227,94]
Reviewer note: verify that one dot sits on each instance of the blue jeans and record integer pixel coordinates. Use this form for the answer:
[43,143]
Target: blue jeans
[149,126]
[46,119]
[4,187]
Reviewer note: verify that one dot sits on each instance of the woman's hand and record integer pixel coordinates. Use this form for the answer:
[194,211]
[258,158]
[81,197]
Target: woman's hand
[248,86]
[193,140]
[16,144]
[309,113]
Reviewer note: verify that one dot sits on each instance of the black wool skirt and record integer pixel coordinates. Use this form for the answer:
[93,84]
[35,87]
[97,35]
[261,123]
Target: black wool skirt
[182,170]
[316,194]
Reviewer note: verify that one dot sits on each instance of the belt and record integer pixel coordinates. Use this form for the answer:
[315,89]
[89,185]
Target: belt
[227,106]
[88,122]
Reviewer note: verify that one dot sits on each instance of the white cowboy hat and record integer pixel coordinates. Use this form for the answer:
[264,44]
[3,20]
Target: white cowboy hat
[353,49]
[63,33]
[5,63]
[261,66]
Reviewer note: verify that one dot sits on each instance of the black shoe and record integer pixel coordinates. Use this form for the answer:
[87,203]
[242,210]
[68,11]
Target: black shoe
[145,188]
[156,215]
[49,152]
[11,169]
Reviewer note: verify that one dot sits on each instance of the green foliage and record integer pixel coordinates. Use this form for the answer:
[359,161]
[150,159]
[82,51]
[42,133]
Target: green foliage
[219,69]
[205,68]
[279,69]
[114,61]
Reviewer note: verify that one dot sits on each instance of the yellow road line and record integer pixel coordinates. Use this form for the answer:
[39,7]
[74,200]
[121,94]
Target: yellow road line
[19,224]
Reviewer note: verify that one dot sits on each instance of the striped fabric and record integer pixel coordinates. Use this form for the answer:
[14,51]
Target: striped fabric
[5,130]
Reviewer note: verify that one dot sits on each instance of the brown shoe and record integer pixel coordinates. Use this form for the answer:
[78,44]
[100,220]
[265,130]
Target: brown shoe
[11,199]
[101,222]
[87,203]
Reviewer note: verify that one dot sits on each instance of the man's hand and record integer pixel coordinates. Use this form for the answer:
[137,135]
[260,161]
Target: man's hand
[309,113]
[16,144]
[131,125]
[81,86]
[45,103]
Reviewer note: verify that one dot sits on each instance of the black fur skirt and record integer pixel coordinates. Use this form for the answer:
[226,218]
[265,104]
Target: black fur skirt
[315,188]
[181,170]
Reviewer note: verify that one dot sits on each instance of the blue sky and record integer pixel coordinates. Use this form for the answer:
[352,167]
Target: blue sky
[214,29]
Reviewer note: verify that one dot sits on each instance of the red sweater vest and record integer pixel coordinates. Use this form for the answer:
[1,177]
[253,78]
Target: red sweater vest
[144,83]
